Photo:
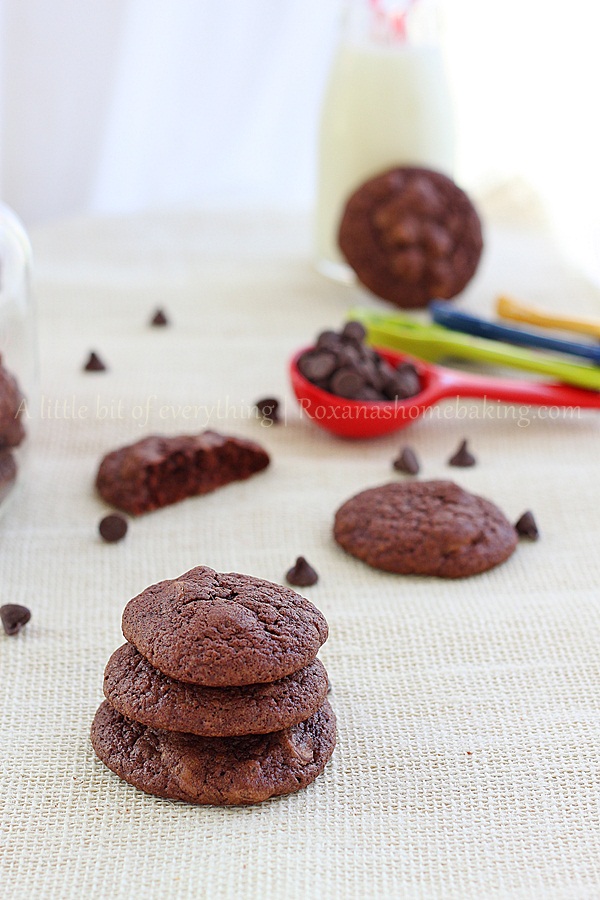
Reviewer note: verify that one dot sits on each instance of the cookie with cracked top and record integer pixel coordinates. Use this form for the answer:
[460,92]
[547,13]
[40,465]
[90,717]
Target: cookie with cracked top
[157,471]
[424,528]
[411,235]
[12,430]
[224,630]
[139,691]
[220,771]
[8,473]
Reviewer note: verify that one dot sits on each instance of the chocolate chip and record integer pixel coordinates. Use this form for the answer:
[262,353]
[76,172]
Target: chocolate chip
[407,369]
[407,462]
[347,383]
[301,574]
[159,318]
[317,364]
[14,617]
[348,355]
[462,458]
[94,363]
[113,528]
[386,371]
[526,526]
[404,383]
[354,331]
[369,393]
[328,340]
[371,374]
[268,409]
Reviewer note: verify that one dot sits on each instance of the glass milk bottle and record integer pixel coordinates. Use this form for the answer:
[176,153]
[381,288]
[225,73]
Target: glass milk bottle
[387,104]
[18,362]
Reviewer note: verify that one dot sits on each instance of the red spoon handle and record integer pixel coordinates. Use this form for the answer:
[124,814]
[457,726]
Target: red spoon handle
[460,384]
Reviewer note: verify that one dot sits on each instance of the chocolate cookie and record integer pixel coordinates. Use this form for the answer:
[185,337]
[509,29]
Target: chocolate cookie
[411,235]
[157,471]
[220,771]
[424,528]
[223,630]
[8,473]
[12,431]
[141,692]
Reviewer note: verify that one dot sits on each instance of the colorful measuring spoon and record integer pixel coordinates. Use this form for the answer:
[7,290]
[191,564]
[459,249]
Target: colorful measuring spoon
[433,342]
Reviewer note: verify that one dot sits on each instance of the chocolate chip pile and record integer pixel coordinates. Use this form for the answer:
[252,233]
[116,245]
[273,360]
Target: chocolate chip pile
[217,697]
[342,364]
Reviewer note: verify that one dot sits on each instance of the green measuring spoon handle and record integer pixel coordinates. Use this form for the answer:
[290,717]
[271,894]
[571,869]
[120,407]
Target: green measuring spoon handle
[435,343]
[484,350]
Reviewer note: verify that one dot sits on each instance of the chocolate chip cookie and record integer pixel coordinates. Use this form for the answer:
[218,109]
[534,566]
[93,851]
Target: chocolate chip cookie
[8,473]
[411,235]
[220,771]
[223,630]
[139,691]
[424,528]
[12,431]
[157,471]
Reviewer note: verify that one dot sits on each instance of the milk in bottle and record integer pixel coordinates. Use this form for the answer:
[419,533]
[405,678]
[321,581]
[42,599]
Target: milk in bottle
[387,104]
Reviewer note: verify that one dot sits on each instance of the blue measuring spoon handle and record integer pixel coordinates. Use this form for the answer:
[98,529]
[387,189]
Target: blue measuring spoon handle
[469,324]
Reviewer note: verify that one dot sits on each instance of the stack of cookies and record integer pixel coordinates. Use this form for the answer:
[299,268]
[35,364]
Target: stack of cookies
[217,698]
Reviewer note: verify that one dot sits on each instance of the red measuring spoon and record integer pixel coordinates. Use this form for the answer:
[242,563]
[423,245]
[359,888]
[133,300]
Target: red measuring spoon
[368,419]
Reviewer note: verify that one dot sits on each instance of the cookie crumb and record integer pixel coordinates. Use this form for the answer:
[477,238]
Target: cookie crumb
[463,458]
[407,462]
[526,526]
[14,617]
[159,318]
[113,528]
[268,409]
[94,363]
[301,574]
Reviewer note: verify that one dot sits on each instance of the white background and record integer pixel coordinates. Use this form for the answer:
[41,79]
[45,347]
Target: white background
[122,105]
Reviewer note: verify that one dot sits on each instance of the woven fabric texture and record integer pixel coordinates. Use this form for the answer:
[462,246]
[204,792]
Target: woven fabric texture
[468,760]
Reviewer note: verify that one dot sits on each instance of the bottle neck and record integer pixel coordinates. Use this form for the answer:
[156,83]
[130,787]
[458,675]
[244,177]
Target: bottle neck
[391,23]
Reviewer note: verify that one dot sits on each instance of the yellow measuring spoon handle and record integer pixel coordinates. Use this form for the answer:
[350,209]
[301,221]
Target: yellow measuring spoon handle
[509,308]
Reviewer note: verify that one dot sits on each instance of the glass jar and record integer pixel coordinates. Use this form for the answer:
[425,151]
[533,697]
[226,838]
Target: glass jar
[18,368]
[387,104]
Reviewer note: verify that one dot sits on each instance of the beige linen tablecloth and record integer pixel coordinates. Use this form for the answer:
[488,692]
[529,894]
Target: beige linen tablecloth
[468,758]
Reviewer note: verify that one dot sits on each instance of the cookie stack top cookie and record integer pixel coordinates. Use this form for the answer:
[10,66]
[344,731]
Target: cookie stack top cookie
[224,629]
[220,678]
